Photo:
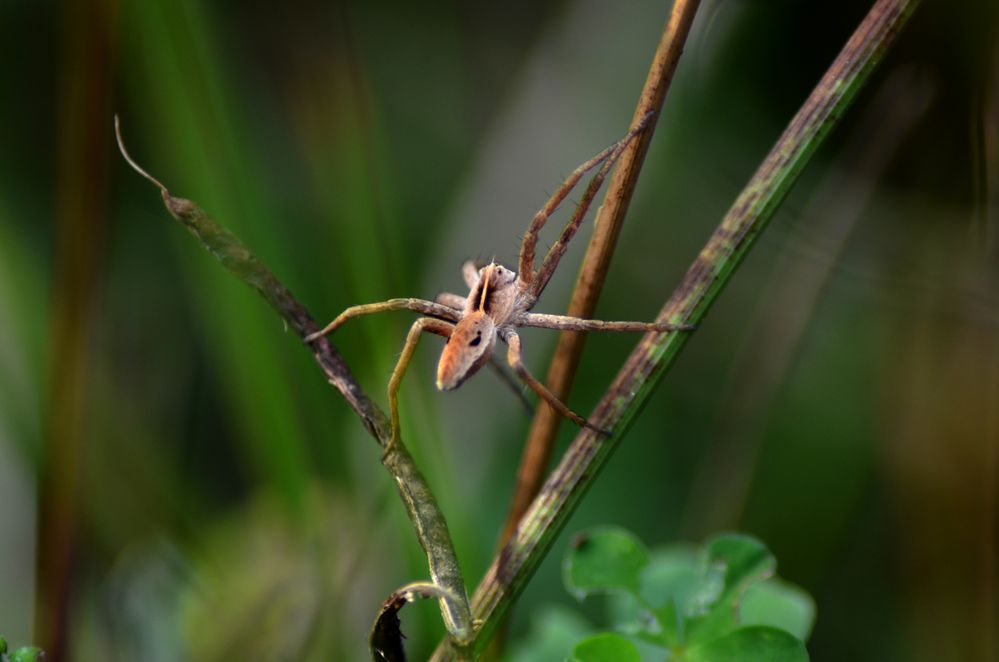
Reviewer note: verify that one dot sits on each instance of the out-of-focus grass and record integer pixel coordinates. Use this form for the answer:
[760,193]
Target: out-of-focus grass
[216,163]
[23,318]
[363,151]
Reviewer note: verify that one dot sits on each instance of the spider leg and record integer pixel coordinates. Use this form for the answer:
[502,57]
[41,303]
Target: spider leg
[535,282]
[558,249]
[503,373]
[566,323]
[431,325]
[514,358]
[470,273]
[416,305]
[528,248]
[451,300]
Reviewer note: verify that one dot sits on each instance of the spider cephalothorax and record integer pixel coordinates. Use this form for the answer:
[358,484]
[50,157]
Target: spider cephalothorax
[499,301]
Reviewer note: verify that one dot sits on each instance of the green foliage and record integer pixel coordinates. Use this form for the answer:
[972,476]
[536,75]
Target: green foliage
[758,642]
[606,647]
[22,654]
[587,569]
[554,631]
[779,604]
[719,602]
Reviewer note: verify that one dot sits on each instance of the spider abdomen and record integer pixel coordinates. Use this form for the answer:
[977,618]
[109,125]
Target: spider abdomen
[469,347]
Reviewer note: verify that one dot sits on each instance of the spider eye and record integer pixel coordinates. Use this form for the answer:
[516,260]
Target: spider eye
[475,341]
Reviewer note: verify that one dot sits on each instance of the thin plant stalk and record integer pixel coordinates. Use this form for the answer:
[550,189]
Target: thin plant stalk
[421,506]
[593,273]
[714,267]
[722,486]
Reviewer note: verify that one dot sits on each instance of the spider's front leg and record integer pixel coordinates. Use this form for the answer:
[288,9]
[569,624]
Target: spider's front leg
[515,359]
[535,282]
[431,325]
[451,300]
[416,305]
[528,247]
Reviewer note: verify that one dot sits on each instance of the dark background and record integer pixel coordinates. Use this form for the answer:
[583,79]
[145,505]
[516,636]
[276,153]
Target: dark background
[178,480]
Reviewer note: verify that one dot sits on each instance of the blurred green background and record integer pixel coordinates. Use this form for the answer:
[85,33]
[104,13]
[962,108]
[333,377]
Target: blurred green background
[178,482]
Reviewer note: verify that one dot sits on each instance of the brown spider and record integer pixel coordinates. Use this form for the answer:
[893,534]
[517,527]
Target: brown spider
[499,301]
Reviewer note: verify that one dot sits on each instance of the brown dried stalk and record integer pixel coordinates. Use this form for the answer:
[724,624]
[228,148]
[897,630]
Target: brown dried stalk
[589,283]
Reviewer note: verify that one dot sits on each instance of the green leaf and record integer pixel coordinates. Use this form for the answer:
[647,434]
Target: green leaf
[671,624]
[719,621]
[745,560]
[779,604]
[669,585]
[757,643]
[606,647]
[604,559]
[554,632]
[731,563]
[673,576]
[27,654]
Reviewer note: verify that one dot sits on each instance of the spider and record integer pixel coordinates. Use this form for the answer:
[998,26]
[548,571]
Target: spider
[499,301]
